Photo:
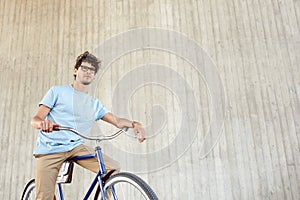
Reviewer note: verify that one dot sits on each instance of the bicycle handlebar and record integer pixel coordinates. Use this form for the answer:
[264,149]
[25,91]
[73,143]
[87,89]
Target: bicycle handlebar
[99,138]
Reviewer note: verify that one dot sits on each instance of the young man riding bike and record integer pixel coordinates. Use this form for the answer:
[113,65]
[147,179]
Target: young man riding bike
[71,106]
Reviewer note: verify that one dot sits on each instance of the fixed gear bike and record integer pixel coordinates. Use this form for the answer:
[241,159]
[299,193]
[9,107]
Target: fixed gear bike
[120,186]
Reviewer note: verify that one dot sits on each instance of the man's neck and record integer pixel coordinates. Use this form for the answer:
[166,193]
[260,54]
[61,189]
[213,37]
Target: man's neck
[81,87]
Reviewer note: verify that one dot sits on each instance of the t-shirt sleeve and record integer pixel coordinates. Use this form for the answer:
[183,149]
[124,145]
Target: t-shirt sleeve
[100,110]
[49,99]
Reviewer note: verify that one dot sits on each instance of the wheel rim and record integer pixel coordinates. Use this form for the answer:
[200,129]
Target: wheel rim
[129,186]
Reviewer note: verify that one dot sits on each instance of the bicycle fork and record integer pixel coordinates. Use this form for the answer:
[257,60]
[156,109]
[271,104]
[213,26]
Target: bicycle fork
[101,173]
[102,170]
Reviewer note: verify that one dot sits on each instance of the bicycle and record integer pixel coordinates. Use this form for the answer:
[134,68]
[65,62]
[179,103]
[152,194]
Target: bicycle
[123,185]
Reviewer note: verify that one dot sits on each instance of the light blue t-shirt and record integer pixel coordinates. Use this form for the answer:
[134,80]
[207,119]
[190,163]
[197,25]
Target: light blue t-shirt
[71,108]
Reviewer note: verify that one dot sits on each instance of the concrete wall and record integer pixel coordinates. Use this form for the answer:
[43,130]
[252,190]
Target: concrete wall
[222,116]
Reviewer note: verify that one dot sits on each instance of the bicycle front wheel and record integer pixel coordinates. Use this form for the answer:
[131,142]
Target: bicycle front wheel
[128,186]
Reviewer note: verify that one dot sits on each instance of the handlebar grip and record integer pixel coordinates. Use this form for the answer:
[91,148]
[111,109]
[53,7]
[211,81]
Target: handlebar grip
[56,127]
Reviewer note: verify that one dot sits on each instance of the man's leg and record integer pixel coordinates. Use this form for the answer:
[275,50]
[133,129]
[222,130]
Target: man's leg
[46,171]
[92,163]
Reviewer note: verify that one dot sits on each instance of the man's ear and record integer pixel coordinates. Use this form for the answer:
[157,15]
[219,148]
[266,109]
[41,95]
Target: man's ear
[75,71]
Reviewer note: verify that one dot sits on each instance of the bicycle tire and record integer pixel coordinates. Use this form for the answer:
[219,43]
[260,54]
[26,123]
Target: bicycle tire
[29,191]
[133,186]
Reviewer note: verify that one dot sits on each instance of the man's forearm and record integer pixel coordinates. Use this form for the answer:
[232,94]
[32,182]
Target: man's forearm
[122,123]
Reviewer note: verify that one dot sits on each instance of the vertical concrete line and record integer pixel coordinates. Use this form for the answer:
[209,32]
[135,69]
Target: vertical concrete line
[24,89]
[269,50]
[286,63]
[260,55]
[14,117]
[243,87]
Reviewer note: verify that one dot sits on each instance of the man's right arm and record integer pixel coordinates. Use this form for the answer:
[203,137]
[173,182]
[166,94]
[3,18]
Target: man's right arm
[39,122]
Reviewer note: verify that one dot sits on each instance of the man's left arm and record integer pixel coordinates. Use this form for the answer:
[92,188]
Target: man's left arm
[122,123]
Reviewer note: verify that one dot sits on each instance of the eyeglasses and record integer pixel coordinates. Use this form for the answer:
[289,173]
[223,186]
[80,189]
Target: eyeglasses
[86,68]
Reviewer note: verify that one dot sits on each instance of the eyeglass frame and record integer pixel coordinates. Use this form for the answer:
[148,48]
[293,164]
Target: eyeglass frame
[86,69]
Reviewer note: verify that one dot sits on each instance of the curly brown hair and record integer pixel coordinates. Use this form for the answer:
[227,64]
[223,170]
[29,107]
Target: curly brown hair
[90,58]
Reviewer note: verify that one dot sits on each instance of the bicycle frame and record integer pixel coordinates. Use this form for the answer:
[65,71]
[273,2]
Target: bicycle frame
[98,178]
[102,169]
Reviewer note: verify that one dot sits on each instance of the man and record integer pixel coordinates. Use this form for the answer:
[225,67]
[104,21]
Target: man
[72,106]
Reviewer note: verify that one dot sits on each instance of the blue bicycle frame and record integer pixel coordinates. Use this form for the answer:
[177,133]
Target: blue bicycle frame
[97,179]
[102,170]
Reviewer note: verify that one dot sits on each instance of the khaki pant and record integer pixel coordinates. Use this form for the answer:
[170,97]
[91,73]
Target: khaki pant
[47,167]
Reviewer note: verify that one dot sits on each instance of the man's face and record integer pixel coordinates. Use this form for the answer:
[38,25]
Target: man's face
[85,73]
